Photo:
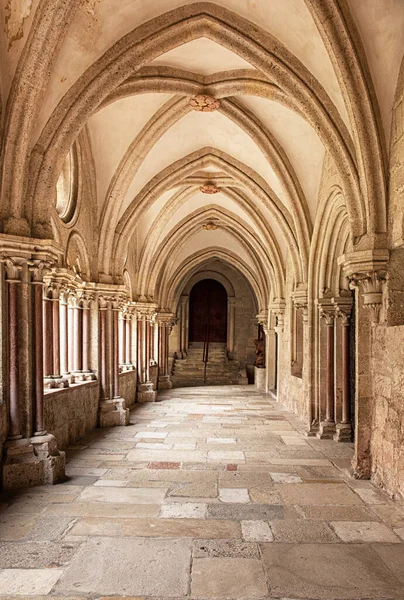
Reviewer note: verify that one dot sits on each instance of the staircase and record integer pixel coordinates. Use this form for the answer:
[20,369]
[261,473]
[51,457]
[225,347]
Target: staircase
[220,370]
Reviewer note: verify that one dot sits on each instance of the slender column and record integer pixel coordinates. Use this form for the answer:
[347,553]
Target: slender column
[86,333]
[231,312]
[56,332]
[78,338]
[13,281]
[146,315]
[344,429]
[327,427]
[278,310]
[70,335]
[39,421]
[47,336]
[121,336]
[115,370]
[183,326]
[64,337]
[161,347]
[128,340]
[103,307]
[133,327]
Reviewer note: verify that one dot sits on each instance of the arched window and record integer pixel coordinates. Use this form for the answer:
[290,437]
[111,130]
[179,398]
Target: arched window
[66,188]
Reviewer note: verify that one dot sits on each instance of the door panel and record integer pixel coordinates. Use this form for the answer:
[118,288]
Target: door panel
[208,312]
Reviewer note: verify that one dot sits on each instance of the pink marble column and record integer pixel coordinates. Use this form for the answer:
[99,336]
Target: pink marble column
[103,307]
[78,338]
[128,339]
[327,427]
[122,341]
[70,336]
[47,312]
[115,334]
[37,284]
[56,332]
[64,337]
[86,334]
[13,281]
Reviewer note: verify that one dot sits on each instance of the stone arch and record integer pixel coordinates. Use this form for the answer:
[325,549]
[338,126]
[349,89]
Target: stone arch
[271,255]
[190,225]
[179,26]
[174,174]
[226,283]
[169,292]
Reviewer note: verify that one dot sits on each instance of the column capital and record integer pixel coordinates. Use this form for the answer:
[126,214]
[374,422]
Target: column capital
[147,310]
[165,318]
[327,310]
[366,271]
[343,308]
[277,307]
[13,268]
[262,319]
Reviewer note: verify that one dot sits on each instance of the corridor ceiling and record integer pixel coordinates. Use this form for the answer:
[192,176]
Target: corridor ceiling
[294,81]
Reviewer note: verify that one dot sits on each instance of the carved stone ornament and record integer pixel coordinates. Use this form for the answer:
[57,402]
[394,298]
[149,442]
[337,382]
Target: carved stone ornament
[210,226]
[370,285]
[204,103]
[209,188]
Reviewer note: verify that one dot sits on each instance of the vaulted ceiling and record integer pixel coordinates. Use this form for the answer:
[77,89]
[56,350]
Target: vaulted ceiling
[293,80]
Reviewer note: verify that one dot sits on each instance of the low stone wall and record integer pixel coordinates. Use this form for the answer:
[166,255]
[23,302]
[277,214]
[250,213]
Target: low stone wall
[127,386]
[72,412]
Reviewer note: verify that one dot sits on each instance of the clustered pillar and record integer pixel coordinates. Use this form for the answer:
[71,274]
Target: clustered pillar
[30,453]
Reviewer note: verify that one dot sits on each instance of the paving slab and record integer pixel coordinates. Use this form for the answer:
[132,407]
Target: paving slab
[157,567]
[236,578]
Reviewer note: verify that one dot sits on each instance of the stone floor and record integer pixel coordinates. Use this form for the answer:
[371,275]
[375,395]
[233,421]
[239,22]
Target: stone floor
[211,493]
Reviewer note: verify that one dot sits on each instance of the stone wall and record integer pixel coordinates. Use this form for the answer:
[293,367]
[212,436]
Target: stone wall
[127,386]
[388,417]
[387,442]
[72,412]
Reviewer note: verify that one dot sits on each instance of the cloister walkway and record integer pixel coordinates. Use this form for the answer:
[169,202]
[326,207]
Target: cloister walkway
[209,493]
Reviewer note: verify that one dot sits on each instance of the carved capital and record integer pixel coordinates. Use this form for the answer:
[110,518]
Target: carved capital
[38,269]
[13,268]
[371,287]
[278,309]
[146,310]
[262,319]
[343,308]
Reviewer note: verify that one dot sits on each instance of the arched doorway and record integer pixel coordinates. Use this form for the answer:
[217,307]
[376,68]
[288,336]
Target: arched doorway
[208,312]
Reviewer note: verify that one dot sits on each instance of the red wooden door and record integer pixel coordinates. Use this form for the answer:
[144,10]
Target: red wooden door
[208,311]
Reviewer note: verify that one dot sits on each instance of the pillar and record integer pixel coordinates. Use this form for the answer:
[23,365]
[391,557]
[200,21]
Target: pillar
[183,326]
[47,344]
[30,456]
[112,408]
[278,311]
[64,337]
[344,428]
[231,319]
[145,315]
[88,373]
[366,271]
[165,323]
[327,426]
[70,334]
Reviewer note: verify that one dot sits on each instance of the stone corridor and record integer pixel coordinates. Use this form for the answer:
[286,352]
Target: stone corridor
[209,493]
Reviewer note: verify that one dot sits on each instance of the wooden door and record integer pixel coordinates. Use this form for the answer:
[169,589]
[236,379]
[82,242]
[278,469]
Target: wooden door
[208,312]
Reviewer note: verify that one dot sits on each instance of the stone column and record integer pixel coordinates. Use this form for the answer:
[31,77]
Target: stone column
[64,336]
[231,317]
[271,354]
[86,337]
[70,335]
[128,340]
[78,340]
[133,327]
[327,427]
[183,323]
[30,455]
[122,340]
[145,389]
[112,408]
[278,311]
[366,271]
[47,314]
[344,428]
[165,322]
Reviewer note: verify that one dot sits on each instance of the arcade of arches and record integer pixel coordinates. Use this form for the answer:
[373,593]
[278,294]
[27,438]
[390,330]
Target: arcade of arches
[182,167]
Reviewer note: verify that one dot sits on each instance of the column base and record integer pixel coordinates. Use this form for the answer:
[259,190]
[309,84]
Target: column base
[326,430]
[164,382]
[89,376]
[145,392]
[32,461]
[343,433]
[113,413]
[313,430]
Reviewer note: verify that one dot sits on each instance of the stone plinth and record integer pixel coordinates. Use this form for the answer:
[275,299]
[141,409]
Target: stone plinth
[146,393]
[343,432]
[260,375]
[113,412]
[164,382]
[31,462]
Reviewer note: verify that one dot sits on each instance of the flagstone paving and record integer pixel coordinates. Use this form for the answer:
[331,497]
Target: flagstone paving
[210,493]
